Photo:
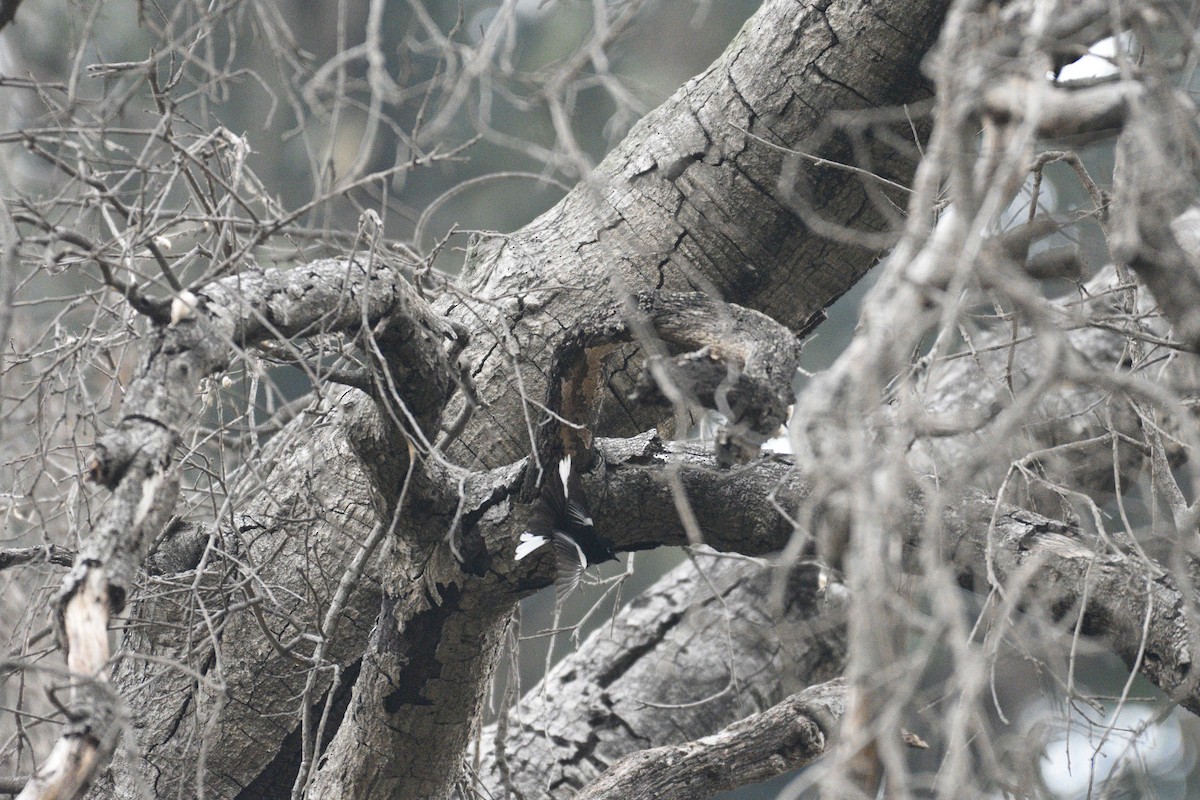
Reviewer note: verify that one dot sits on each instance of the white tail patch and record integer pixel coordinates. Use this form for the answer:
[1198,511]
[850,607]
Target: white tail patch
[564,472]
[571,563]
[528,543]
[182,306]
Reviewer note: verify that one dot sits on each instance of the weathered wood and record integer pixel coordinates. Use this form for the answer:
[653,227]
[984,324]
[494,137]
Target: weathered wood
[695,199]
[787,736]
[558,720]
[134,460]
[688,201]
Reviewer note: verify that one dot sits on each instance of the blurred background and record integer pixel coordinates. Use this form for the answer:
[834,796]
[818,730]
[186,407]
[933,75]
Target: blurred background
[444,119]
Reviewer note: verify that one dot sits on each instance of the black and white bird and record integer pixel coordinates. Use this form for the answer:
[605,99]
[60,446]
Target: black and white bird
[563,520]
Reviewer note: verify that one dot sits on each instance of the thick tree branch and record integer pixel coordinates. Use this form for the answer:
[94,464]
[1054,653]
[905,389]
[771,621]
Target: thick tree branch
[50,554]
[787,736]
[134,461]
[982,537]
[298,528]
[687,202]
[1062,113]
[621,690]
[691,200]
[1113,593]
[669,209]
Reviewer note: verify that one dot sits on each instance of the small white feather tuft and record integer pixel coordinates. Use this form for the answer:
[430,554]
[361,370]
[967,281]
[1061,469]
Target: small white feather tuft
[182,306]
[528,543]
[577,514]
[564,472]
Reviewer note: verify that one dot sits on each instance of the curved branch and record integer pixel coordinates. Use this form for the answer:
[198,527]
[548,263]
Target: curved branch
[687,201]
[692,200]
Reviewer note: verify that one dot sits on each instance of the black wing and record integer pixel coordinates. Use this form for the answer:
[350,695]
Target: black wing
[564,495]
[571,564]
[555,489]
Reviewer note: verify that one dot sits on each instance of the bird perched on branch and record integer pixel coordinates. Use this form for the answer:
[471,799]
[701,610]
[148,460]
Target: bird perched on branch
[563,520]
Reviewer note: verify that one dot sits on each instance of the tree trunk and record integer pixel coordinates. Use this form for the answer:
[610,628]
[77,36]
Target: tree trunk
[692,199]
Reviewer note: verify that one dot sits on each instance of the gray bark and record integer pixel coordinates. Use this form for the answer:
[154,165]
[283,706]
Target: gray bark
[693,200]
[690,201]
[134,459]
[707,645]
[789,735]
[581,719]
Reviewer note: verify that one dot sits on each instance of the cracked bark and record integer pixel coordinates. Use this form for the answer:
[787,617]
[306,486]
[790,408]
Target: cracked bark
[431,649]
[558,720]
[787,736]
[692,200]
[689,201]
[134,458]
[535,319]
[632,228]
[595,705]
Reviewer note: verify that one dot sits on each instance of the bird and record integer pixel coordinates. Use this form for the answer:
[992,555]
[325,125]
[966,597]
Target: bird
[562,520]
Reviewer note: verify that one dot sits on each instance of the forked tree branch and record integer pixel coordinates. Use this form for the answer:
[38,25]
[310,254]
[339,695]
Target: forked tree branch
[688,201]
[135,460]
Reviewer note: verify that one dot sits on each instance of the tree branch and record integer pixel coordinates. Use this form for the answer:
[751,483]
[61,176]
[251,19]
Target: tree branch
[134,461]
[692,200]
[687,201]
[787,736]
[620,690]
